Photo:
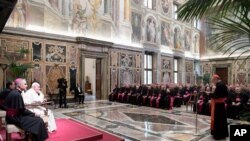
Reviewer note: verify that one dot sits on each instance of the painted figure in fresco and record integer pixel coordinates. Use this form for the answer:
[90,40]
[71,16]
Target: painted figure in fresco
[196,43]
[21,10]
[18,16]
[177,38]
[165,5]
[136,27]
[165,34]
[166,77]
[187,40]
[79,23]
[151,30]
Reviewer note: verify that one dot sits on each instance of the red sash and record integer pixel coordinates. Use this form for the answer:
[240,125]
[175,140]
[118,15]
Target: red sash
[12,112]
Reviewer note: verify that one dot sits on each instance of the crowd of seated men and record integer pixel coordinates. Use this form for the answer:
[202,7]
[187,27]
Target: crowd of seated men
[171,95]
[158,96]
[236,102]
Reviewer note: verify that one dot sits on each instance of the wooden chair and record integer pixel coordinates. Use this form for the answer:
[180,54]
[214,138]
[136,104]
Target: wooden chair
[11,128]
[192,101]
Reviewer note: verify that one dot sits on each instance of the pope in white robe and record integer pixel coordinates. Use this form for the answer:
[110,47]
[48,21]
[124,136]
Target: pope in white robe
[34,95]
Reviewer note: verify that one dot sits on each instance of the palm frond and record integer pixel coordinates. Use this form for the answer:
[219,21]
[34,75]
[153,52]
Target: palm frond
[242,47]
[248,57]
[196,9]
[231,35]
[228,18]
[244,52]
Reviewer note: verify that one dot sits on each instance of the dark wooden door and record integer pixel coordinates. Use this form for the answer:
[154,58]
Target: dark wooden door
[98,79]
[223,73]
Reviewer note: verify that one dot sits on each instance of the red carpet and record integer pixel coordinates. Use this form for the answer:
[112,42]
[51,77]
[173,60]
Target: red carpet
[71,130]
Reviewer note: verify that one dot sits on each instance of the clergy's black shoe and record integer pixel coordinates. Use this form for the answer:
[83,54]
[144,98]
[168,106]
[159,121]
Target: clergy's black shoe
[219,138]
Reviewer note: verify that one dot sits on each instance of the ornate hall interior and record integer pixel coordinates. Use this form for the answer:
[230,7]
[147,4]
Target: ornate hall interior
[114,50]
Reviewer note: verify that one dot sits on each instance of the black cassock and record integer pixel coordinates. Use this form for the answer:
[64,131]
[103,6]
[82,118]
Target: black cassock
[17,114]
[219,128]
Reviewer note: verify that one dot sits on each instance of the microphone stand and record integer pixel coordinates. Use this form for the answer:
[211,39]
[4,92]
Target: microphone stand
[196,116]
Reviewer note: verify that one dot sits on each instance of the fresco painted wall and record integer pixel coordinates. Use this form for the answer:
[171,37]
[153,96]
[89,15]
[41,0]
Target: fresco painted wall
[107,20]
[166,34]
[72,17]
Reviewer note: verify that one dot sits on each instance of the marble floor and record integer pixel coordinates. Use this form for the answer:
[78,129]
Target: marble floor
[138,123]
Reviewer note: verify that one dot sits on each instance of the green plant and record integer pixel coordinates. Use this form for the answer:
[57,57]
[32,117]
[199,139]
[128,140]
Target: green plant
[19,70]
[24,51]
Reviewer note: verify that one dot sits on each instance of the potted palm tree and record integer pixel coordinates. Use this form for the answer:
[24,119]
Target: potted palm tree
[19,70]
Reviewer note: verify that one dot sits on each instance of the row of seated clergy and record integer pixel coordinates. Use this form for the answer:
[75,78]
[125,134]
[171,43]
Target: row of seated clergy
[234,105]
[164,98]
[34,96]
[145,97]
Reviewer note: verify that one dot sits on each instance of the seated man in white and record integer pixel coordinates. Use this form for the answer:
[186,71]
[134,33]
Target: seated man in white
[35,96]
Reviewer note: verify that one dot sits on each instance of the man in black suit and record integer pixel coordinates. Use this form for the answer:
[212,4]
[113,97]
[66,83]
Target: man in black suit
[62,85]
[9,87]
[79,93]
